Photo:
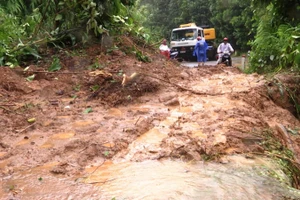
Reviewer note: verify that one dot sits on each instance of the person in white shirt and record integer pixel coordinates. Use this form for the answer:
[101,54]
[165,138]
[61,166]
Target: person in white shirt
[224,46]
[164,49]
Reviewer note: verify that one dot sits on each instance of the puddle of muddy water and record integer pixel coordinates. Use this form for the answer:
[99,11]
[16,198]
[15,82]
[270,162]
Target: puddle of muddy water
[180,180]
[40,184]
[149,180]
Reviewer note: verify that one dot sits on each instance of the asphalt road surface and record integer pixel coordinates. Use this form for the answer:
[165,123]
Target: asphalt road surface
[235,61]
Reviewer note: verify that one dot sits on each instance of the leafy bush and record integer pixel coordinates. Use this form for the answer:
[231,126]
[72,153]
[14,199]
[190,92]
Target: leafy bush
[12,34]
[275,49]
[276,45]
[27,24]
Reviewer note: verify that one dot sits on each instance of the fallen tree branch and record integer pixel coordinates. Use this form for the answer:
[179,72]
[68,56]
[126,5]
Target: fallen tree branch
[107,180]
[26,128]
[7,105]
[4,108]
[45,72]
[89,174]
[137,120]
[180,87]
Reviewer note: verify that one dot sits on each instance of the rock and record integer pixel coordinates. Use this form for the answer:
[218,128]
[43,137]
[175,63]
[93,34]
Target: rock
[172,102]
[283,133]
[223,160]
[60,169]
[117,53]
[60,92]
[194,155]
[168,97]
[106,41]
[256,148]
[184,75]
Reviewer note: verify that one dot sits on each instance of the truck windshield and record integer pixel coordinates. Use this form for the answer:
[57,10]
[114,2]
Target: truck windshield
[185,34]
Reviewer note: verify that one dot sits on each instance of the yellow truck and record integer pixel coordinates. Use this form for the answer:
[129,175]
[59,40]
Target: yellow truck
[184,39]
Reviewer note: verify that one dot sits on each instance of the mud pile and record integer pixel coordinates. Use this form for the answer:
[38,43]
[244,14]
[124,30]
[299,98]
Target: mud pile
[84,116]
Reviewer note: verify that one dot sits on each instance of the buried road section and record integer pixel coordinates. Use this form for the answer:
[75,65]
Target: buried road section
[167,132]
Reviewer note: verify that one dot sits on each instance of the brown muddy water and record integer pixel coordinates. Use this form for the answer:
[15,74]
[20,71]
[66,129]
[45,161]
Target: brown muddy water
[167,179]
[151,167]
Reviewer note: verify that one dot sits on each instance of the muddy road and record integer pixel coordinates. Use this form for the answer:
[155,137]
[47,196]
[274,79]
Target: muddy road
[169,132]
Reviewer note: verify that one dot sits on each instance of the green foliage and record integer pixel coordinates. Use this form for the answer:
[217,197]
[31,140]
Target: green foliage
[95,88]
[55,65]
[95,66]
[106,153]
[232,19]
[77,88]
[12,37]
[292,93]
[283,11]
[160,17]
[30,78]
[120,73]
[27,24]
[276,45]
[283,156]
[88,110]
[141,57]
[275,49]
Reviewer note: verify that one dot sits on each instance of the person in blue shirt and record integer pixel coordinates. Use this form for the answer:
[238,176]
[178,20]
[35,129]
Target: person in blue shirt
[200,51]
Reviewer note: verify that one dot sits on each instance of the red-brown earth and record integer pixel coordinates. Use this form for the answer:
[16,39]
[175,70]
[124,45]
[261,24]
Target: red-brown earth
[82,116]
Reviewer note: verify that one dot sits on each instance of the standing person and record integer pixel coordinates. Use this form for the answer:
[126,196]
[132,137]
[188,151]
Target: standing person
[164,49]
[224,46]
[200,51]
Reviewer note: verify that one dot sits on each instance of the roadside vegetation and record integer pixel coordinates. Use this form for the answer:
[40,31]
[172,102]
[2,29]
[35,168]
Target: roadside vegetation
[269,29]
[28,26]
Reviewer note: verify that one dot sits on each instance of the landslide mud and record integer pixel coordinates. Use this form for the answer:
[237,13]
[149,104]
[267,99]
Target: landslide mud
[167,113]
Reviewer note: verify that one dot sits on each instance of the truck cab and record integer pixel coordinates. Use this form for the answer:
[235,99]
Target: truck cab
[184,39]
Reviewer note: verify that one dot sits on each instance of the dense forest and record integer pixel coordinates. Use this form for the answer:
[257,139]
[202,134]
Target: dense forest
[270,29]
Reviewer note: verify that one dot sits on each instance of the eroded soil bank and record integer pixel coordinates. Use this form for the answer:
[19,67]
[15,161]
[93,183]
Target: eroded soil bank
[169,133]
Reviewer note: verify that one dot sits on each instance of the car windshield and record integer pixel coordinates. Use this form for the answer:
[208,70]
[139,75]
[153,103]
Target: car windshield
[186,34]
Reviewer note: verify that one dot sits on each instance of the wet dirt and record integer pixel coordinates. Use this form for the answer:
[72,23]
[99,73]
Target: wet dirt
[169,133]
